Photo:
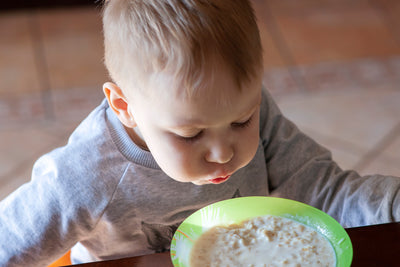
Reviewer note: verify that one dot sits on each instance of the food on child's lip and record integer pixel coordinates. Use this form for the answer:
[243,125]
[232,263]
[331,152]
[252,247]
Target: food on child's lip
[262,241]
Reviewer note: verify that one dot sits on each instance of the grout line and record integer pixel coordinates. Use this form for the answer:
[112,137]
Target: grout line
[283,48]
[42,68]
[340,142]
[378,149]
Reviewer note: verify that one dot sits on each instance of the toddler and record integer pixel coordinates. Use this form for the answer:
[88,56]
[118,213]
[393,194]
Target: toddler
[185,123]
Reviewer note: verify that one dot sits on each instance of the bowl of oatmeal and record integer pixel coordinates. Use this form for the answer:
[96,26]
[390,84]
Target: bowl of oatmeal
[260,231]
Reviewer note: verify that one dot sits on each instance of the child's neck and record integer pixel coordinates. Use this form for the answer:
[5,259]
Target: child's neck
[135,137]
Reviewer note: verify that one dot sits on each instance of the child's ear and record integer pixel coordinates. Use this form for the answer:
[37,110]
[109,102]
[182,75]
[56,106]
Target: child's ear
[119,104]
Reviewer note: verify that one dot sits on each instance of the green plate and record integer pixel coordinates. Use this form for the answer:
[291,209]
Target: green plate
[239,209]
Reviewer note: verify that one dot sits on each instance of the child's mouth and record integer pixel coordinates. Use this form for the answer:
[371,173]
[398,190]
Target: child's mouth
[219,180]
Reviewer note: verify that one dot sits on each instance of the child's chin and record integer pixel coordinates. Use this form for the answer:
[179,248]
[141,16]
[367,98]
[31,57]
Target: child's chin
[201,182]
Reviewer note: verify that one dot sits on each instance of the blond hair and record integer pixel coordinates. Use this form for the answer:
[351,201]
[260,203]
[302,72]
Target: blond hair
[181,37]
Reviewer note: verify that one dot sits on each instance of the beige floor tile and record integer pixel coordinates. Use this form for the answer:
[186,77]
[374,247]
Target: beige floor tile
[73,46]
[75,104]
[348,122]
[20,177]
[18,73]
[18,155]
[345,153]
[281,81]
[360,74]
[29,110]
[338,34]
[382,166]
[387,162]
[19,110]
[393,150]
[23,147]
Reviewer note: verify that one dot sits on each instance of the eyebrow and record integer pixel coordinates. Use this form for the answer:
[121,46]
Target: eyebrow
[252,110]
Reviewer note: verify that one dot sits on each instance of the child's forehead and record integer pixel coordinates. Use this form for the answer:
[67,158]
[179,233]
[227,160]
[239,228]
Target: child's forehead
[218,88]
[214,81]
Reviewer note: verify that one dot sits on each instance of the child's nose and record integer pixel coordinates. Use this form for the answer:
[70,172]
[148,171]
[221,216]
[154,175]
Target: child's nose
[219,153]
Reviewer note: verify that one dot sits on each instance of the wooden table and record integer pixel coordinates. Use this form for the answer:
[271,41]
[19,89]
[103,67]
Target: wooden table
[373,246]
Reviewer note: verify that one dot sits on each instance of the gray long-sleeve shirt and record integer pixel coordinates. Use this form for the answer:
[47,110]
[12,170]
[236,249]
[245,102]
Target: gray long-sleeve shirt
[107,198]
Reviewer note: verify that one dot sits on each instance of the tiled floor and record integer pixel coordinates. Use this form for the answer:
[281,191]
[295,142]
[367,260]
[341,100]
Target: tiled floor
[333,66]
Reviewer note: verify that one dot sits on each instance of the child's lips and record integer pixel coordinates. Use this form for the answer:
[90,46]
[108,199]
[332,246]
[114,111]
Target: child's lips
[219,180]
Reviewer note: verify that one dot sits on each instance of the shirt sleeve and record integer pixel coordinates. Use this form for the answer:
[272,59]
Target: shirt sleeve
[301,169]
[44,218]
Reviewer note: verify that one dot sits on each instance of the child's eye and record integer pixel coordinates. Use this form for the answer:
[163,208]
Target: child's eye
[191,139]
[242,124]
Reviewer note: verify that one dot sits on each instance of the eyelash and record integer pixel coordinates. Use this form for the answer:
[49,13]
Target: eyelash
[243,124]
[191,139]
[237,125]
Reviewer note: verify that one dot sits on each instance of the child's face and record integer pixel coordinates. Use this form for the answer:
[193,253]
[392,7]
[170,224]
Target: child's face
[203,139]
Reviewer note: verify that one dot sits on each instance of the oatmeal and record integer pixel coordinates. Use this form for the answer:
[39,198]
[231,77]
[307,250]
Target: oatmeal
[263,241]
